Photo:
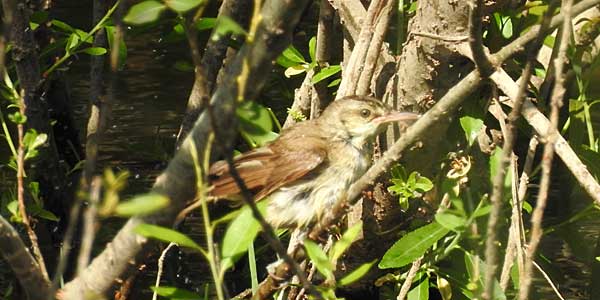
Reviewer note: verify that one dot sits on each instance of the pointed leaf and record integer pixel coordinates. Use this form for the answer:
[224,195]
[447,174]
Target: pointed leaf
[326,73]
[319,258]
[142,205]
[166,235]
[472,127]
[181,6]
[421,291]
[357,274]
[412,245]
[144,12]
[240,233]
[172,292]
[347,239]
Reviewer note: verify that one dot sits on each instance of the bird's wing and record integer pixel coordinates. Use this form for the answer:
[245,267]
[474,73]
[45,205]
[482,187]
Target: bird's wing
[268,168]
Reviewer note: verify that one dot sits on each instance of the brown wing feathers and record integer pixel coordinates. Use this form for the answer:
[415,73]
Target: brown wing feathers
[268,168]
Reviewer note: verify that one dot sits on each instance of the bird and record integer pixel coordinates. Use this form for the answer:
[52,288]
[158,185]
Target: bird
[309,167]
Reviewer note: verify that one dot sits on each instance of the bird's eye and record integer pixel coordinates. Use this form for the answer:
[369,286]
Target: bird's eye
[365,113]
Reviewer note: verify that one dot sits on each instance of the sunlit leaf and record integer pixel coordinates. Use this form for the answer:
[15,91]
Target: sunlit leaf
[94,51]
[62,25]
[122,51]
[144,12]
[240,233]
[256,124]
[472,127]
[326,73]
[175,293]
[294,70]
[450,221]
[142,205]
[181,6]
[166,235]
[357,274]
[345,241]
[206,23]
[412,245]
[444,287]
[17,118]
[290,57]
[72,42]
[319,258]
[312,48]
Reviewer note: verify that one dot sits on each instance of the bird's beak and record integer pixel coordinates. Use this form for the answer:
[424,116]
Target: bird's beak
[396,116]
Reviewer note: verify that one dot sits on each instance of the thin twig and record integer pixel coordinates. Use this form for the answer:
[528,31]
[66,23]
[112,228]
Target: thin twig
[549,280]
[416,265]
[160,264]
[37,253]
[491,249]
[556,103]
[89,224]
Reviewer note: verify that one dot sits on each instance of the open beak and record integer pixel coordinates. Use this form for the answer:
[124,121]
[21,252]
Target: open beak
[397,116]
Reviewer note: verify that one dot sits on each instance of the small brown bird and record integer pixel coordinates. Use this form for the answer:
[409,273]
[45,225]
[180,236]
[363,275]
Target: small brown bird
[308,168]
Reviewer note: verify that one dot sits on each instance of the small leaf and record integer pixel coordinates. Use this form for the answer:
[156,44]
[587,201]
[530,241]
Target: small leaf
[294,70]
[357,274]
[181,6]
[144,12]
[72,42]
[290,57]
[312,48]
[450,221]
[172,292]
[256,124]
[142,205]
[334,82]
[319,258]
[444,287]
[423,184]
[507,28]
[412,245]
[472,127]
[326,73]
[62,25]
[122,51]
[17,118]
[347,239]
[166,235]
[206,23]
[94,51]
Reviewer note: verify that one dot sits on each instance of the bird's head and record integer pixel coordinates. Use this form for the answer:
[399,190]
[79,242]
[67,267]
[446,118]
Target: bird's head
[360,118]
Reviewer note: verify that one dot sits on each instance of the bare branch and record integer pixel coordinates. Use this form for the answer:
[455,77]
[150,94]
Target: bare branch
[27,271]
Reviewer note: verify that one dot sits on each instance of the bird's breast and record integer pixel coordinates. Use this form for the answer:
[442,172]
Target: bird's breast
[303,201]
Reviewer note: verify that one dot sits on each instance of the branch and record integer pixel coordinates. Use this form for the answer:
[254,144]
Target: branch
[476,40]
[178,181]
[556,103]
[22,263]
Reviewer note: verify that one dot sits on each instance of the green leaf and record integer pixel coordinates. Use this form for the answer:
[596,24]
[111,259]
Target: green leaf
[256,125]
[240,233]
[166,235]
[175,293]
[225,26]
[347,239]
[62,26]
[412,246]
[38,211]
[181,6]
[319,258]
[94,51]
[450,221]
[32,140]
[423,184]
[206,23]
[17,118]
[312,48]
[290,57]
[472,127]
[295,70]
[357,274]
[421,291]
[142,205]
[183,66]
[507,28]
[72,42]
[326,73]
[144,12]
[334,82]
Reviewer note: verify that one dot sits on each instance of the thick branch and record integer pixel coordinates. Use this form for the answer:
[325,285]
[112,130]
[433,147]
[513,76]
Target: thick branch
[22,263]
